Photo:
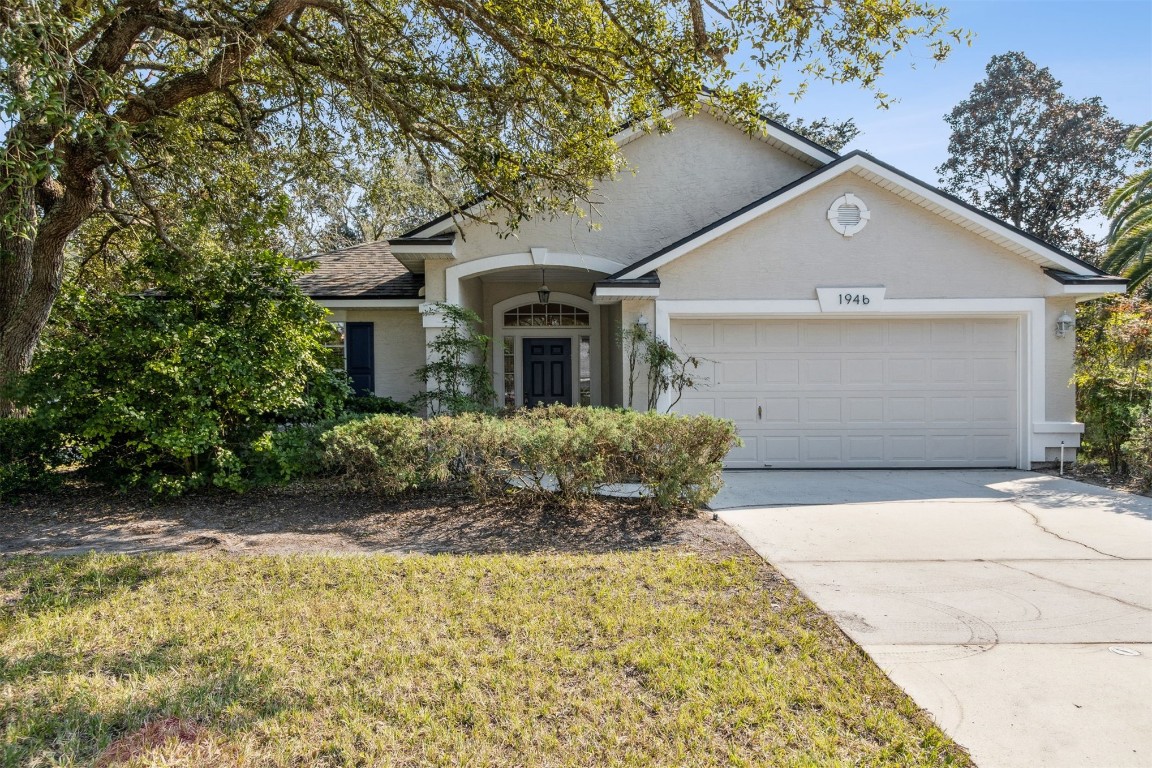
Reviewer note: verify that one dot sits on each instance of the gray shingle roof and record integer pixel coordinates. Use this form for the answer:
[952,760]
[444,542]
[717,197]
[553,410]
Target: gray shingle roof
[365,271]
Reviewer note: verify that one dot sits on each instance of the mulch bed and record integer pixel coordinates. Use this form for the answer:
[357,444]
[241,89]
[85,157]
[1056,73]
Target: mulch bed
[322,516]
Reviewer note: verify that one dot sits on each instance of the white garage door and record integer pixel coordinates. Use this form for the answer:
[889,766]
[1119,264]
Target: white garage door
[859,392]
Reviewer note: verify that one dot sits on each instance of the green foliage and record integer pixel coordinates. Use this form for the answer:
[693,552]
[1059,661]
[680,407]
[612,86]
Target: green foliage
[458,379]
[1137,449]
[29,449]
[558,455]
[1113,375]
[386,454]
[1022,150]
[119,116]
[170,388]
[369,404]
[666,369]
[1130,208]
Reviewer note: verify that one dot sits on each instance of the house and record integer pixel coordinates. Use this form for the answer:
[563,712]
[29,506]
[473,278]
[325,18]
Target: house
[847,314]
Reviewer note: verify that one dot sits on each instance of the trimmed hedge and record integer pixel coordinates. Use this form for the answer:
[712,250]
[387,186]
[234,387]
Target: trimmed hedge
[558,454]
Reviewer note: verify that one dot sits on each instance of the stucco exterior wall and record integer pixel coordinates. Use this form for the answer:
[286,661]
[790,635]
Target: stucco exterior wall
[789,251]
[1060,363]
[675,184]
[398,348]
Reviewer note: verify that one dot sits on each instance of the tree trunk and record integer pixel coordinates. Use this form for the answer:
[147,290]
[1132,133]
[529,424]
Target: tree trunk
[32,266]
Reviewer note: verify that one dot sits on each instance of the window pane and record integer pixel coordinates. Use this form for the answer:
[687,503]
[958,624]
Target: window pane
[509,372]
[585,370]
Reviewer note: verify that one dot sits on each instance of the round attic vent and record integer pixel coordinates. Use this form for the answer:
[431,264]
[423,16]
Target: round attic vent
[848,215]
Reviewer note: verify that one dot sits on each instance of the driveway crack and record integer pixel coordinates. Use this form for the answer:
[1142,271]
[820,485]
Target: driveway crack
[1050,532]
[1073,586]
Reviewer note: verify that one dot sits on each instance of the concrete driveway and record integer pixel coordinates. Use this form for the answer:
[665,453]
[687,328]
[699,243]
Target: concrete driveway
[1015,607]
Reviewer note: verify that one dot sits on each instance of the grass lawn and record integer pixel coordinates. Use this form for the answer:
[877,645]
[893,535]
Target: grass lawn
[657,657]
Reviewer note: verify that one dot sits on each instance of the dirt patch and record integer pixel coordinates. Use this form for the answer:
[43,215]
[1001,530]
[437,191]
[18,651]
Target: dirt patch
[1096,474]
[321,516]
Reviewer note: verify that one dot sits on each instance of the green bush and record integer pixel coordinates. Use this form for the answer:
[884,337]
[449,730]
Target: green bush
[172,388]
[385,453]
[1113,375]
[29,449]
[370,404]
[1137,449]
[556,455]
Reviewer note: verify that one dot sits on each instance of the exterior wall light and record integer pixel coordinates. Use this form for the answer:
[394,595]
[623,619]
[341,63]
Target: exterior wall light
[542,292]
[642,323]
[1064,324]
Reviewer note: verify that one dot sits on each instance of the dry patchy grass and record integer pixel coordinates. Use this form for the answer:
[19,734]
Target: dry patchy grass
[625,658]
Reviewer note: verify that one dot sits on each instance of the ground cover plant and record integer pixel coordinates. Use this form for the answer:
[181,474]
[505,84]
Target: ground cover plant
[656,657]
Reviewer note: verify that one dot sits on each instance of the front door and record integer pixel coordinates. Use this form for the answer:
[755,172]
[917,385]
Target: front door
[547,371]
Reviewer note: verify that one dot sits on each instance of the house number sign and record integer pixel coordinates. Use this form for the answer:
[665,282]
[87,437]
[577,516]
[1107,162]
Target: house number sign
[867,298]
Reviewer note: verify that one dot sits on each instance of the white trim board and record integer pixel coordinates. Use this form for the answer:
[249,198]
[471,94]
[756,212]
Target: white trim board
[457,272]
[871,171]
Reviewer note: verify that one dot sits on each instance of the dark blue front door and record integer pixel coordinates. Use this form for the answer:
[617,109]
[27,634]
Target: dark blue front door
[547,371]
[360,361]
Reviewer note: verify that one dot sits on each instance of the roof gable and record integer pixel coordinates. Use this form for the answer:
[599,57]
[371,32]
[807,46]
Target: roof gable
[887,177]
[773,133]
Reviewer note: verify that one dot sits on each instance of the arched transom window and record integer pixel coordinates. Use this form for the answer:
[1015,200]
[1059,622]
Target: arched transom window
[547,315]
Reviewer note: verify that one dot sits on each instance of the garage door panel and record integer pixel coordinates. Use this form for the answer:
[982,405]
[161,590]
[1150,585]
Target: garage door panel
[696,334]
[908,371]
[736,335]
[906,410]
[779,372]
[864,410]
[817,335]
[865,392]
[741,410]
[822,410]
[781,335]
[782,411]
[950,370]
[954,411]
[996,371]
[739,373]
[863,372]
[821,372]
[823,448]
[778,449]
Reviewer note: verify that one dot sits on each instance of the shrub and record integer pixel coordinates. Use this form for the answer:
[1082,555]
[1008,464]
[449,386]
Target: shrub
[385,453]
[370,404]
[1113,375]
[170,388]
[1138,449]
[556,455]
[457,380]
[29,449]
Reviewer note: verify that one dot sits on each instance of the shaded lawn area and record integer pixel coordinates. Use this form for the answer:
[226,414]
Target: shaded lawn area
[628,658]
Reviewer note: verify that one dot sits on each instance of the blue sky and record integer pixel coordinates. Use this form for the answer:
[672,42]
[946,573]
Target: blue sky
[1095,47]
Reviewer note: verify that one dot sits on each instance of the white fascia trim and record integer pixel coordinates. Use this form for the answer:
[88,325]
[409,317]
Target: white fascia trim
[857,163]
[457,272]
[369,303]
[1031,348]
[447,251]
[612,294]
[1093,290]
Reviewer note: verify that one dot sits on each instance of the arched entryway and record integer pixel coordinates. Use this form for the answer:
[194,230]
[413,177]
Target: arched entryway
[546,353]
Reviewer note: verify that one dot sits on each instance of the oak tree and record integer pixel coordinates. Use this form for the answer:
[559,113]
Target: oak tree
[118,111]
